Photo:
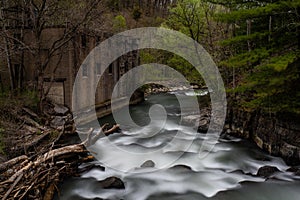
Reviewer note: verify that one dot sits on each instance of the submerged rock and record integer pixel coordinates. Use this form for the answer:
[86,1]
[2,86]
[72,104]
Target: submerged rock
[148,163]
[267,171]
[181,167]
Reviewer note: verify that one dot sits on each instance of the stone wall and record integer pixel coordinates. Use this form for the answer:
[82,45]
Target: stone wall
[277,134]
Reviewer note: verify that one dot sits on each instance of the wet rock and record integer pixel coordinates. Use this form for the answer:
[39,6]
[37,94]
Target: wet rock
[60,110]
[203,125]
[267,171]
[91,167]
[198,121]
[295,170]
[277,133]
[181,167]
[190,119]
[148,163]
[96,198]
[112,183]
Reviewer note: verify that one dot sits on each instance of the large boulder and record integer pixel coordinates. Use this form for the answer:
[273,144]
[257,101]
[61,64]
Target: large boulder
[267,171]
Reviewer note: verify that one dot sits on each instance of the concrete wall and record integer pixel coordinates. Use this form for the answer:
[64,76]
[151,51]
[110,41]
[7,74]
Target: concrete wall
[66,64]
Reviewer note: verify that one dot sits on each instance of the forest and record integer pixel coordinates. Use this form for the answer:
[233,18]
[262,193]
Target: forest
[255,45]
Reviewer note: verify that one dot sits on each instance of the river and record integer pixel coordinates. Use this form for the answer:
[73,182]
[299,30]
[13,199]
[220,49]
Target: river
[227,172]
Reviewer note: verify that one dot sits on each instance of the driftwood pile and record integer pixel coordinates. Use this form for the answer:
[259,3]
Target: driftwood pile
[36,178]
[36,175]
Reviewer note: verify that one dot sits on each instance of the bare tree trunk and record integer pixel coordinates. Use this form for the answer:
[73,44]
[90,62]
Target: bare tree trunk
[7,53]
[9,65]
[248,21]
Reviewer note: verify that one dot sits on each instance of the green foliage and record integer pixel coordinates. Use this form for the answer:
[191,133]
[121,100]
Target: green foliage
[188,17]
[280,63]
[147,57]
[119,23]
[244,11]
[264,53]
[26,98]
[247,59]
[186,69]
[245,38]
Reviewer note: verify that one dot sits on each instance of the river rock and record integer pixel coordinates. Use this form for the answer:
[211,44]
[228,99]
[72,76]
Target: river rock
[148,163]
[295,170]
[181,167]
[267,171]
[96,198]
[198,121]
[190,119]
[203,125]
[112,183]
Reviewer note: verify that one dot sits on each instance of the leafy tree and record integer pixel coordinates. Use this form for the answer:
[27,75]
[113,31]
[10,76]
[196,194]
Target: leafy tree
[265,46]
[195,19]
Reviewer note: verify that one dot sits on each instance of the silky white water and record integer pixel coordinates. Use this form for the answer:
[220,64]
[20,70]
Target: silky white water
[227,172]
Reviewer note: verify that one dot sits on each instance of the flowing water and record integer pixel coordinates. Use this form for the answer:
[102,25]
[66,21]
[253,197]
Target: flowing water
[176,170]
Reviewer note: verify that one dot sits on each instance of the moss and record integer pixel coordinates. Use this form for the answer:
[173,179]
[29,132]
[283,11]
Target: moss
[54,134]
[39,132]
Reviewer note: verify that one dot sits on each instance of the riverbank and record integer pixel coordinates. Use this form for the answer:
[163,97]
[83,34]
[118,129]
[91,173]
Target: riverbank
[50,171]
[232,165]
[39,149]
[36,150]
[278,134]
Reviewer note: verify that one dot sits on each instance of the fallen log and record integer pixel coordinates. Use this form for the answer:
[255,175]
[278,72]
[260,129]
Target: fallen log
[14,161]
[105,133]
